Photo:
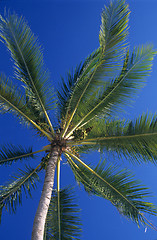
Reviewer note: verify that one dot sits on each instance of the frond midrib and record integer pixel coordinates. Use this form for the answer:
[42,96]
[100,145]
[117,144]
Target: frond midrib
[94,140]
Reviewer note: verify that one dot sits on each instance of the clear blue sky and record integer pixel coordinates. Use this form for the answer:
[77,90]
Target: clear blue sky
[68,32]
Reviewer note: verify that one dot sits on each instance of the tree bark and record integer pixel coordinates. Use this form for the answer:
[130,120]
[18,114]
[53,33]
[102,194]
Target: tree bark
[40,217]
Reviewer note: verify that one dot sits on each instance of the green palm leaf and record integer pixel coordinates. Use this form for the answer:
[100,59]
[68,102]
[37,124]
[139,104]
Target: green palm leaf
[67,100]
[119,187]
[11,153]
[28,62]
[11,193]
[134,140]
[114,25]
[118,92]
[11,100]
[69,219]
[111,50]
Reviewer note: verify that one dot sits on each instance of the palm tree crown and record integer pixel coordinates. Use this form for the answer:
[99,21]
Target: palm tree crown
[86,109]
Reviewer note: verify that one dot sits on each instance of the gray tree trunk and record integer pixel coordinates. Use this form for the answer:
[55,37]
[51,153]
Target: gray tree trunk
[40,217]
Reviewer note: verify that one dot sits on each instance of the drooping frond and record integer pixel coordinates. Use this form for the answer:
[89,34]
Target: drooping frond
[11,193]
[134,140]
[28,62]
[119,187]
[11,153]
[118,92]
[70,224]
[11,100]
[112,49]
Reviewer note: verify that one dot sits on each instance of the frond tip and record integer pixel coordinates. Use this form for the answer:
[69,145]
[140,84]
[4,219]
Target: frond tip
[114,27]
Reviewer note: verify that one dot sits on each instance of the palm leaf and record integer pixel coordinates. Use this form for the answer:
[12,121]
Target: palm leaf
[11,153]
[114,25]
[111,50]
[69,219]
[71,90]
[28,62]
[11,100]
[11,193]
[134,140]
[119,187]
[67,86]
[118,92]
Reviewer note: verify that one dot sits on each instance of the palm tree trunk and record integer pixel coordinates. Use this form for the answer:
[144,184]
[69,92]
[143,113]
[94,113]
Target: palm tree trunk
[40,217]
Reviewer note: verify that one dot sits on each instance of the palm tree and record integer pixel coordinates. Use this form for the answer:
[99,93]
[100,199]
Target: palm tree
[85,119]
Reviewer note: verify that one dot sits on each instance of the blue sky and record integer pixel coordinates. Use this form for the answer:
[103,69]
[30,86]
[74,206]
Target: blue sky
[68,32]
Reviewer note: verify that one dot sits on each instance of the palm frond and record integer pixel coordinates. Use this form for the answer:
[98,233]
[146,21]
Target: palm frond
[10,153]
[12,100]
[134,140]
[28,62]
[68,84]
[71,88]
[114,26]
[69,220]
[117,186]
[112,49]
[11,193]
[118,92]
